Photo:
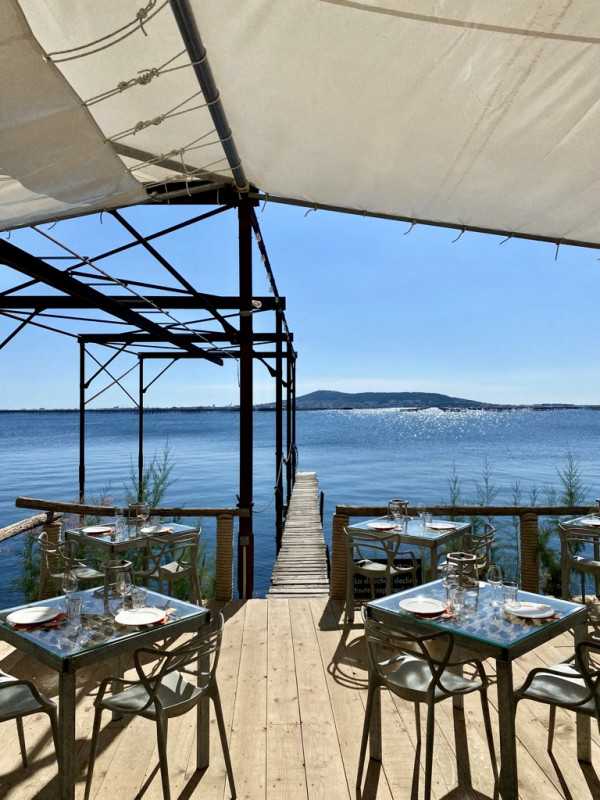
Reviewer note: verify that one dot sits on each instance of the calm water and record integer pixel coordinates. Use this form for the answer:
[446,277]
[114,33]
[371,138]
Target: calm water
[360,457]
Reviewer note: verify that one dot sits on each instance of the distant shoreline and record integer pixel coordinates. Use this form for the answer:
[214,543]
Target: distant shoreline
[235,409]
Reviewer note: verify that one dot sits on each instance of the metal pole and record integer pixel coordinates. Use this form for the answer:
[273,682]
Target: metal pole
[289,468]
[140,499]
[278,434]
[246,535]
[81,421]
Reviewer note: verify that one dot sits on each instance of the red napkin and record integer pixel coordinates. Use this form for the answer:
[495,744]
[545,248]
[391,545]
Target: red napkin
[100,533]
[50,623]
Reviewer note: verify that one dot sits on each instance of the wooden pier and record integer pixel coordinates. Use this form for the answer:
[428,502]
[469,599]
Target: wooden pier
[301,566]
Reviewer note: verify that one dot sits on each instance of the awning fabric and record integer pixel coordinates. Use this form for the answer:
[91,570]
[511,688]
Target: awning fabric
[483,115]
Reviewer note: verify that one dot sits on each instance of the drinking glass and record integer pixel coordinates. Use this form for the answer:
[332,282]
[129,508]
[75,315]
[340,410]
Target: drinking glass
[421,511]
[510,590]
[123,585]
[456,599]
[494,577]
[69,583]
[394,512]
[140,512]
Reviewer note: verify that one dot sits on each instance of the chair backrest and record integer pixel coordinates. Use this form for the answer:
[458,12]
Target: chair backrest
[480,545]
[372,546]
[153,666]
[389,648]
[181,548]
[56,558]
[577,538]
[590,675]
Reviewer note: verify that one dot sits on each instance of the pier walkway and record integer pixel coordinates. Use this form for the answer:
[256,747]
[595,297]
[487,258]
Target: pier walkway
[301,566]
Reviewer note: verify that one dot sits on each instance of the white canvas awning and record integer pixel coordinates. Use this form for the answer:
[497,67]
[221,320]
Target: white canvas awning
[482,115]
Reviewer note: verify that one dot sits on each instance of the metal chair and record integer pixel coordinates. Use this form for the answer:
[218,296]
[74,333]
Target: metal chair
[480,545]
[405,664]
[576,542]
[170,558]
[61,558]
[571,684]
[375,557]
[18,699]
[161,692]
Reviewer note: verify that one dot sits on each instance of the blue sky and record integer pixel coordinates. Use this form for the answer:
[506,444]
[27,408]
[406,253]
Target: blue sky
[372,308]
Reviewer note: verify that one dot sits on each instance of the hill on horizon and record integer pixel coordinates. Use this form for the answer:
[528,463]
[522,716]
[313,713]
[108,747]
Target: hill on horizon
[324,398]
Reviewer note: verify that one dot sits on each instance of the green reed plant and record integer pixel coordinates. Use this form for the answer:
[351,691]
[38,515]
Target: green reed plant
[154,481]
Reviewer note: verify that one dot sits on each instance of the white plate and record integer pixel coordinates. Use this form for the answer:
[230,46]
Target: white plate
[441,526]
[98,530]
[142,616]
[426,606]
[33,616]
[594,522]
[381,526]
[151,530]
[529,610]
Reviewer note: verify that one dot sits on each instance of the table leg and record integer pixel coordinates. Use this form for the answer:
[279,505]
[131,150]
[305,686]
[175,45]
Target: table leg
[433,564]
[66,736]
[509,782]
[375,727]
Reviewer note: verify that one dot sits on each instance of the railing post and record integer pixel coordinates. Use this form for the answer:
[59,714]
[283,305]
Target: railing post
[224,558]
[530,556]
[52,531]
[337,581]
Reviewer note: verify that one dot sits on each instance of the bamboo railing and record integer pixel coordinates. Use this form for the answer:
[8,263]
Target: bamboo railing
[528,534]
[54,511]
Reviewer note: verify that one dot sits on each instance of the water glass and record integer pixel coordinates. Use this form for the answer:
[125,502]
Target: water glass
[121,530]
[510,591]
[471,600]
[74,605]
[456,599]
[138,597]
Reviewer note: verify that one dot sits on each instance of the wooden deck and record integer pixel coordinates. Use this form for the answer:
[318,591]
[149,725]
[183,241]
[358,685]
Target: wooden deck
[293,687]
[301,566]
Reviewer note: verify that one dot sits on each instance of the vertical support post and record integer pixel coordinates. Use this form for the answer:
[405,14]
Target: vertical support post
[245,534]
[278,433]
[291,460]
[337,581]
[140,499]
[530,554]
[81,421]
[224,570]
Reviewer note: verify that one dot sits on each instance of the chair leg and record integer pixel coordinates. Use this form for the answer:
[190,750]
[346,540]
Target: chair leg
[429,749]
[54,725]
[485,709]
[551,721]
[21,735]
[93,748]
[365,733]
[224,744]
[349,610]
[161,738]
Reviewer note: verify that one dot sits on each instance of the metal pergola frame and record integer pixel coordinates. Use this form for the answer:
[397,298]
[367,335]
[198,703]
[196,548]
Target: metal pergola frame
[171,341]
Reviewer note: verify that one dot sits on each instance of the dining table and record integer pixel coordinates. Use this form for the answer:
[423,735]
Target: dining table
[105,538]
[106,630]
[431,535]
[490,632]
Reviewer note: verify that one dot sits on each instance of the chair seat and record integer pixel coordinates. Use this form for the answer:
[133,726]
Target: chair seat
[568,690]
[84,573]
[18,700]
[173,691]
[414,677]
[589,563]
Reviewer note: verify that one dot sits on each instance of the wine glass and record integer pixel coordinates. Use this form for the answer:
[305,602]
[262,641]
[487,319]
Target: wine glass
[421,511]
[494,577]
[69,583]
[123,585]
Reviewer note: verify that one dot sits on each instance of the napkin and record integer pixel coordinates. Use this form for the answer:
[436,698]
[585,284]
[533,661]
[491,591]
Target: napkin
[49,624]
[104,532]
[527,622]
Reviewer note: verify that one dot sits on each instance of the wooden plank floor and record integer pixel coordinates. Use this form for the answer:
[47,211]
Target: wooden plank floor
[293,684]
[301,566]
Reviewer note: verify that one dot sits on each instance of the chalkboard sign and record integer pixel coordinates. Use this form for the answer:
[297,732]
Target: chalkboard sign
[362,584]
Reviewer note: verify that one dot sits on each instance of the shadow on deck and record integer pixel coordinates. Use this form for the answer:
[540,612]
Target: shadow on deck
[293,684]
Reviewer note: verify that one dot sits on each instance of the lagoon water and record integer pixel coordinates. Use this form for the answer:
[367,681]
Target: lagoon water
[360,457]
